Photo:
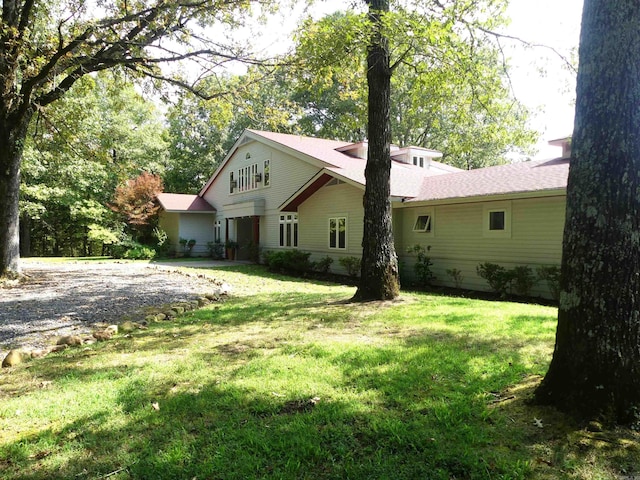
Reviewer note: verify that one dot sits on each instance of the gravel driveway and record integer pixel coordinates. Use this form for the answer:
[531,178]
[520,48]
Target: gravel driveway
[71,298]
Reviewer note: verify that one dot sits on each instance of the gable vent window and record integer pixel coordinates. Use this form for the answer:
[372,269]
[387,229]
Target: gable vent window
[423,224]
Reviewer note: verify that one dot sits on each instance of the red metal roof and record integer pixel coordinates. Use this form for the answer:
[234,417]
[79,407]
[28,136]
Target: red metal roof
[178,202]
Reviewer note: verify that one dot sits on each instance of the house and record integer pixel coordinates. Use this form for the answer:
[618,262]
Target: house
[283,191]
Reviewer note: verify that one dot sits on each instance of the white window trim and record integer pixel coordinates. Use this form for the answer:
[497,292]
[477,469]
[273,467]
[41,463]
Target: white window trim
[217,231]
[487,209]
[423,213]
[264,173]
[346,233]
[289,219]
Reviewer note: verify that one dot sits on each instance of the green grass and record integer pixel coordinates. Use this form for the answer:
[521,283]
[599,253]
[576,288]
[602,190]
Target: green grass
[428,387]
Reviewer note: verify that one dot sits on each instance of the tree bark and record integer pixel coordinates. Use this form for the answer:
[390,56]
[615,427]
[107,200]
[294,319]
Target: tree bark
[595,368]
[379,268]
[12,137]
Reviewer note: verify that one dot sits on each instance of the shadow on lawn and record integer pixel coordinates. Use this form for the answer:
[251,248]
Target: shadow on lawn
[428,404]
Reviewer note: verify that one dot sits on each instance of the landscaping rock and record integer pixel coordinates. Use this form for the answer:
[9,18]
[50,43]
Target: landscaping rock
[102,335]
[126,327]
[113,329]
[13,358]
[39,353]
[71,340]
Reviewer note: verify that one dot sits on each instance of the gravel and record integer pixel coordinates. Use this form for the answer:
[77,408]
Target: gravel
[73,298]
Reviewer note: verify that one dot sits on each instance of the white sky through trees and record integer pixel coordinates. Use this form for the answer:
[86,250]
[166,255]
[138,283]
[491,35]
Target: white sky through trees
[539,76]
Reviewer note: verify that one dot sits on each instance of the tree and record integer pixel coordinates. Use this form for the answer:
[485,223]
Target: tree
[77,151]
[136,203]
[449,91]
[46,47]
[379,275]
[596,362]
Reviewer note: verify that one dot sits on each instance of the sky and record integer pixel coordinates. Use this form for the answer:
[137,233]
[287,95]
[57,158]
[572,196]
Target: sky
[540,78]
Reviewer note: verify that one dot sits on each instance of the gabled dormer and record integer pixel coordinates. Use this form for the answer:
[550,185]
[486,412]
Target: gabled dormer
[565,143]
[418,156]
[356,150]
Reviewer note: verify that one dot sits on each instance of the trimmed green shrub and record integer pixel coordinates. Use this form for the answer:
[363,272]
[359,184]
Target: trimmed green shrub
[351,265]
[288,261]
[496,276]
[422,267]
[522,280]
[323,265]
[551,275]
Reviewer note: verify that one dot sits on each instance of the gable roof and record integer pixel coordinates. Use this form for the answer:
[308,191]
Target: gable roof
[524,177]
[328,154]
[178,202]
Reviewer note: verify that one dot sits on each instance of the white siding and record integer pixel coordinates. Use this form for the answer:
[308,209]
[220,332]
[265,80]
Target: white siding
[329,202]
[199,227]
[458,241]
[287,175]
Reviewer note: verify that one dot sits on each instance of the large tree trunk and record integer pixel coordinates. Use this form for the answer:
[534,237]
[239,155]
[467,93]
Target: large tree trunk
[379,269]
[12,137]
[596,362]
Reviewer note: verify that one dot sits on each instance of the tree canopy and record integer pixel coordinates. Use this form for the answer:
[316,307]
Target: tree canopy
[47,46]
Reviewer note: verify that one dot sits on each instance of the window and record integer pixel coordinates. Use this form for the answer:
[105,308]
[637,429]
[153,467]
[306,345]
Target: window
[421,162]
[415,160]
[217,231]
[232,183]
[423,224]
[289,230]
[338,233]
[267,171]
[497,220]
[248,178]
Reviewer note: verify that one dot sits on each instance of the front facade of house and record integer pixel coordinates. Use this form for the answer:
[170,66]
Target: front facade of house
[284,191]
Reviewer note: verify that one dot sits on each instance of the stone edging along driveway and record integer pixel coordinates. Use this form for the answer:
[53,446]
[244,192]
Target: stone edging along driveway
[76,298]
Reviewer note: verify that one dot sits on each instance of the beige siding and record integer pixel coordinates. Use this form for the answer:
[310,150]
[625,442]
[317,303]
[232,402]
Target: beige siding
[459,240]
[331,201]
[170,223]
[287,175]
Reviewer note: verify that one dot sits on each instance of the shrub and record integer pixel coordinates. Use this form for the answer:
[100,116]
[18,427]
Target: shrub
[496,276]
[163,246]
[187,246]
[422,267]
[551,275]
[351,265]
[132,250]
[456,275]
[323,265]
[288,261]
[216,250]
[522,280]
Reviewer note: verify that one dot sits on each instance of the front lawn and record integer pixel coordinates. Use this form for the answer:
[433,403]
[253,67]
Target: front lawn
[285,380]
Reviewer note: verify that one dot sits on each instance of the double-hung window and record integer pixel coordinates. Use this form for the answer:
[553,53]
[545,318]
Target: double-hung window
[338,233]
